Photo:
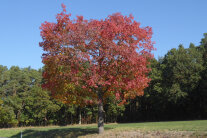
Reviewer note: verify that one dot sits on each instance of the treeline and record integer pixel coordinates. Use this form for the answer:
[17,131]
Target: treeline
[177,91]
[24,103]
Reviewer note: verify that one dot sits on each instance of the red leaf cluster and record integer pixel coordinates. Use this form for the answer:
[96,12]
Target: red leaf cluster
[110,55]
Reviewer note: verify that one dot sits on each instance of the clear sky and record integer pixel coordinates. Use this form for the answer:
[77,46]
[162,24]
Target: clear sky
[173,22]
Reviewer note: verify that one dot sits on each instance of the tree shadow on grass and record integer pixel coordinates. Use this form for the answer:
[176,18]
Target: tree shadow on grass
[57,133]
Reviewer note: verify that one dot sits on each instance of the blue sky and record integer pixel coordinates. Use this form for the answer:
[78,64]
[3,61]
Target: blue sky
[173,22]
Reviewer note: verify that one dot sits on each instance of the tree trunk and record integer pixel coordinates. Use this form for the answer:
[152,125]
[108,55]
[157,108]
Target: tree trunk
[79,116]
[71,118]
[100,114]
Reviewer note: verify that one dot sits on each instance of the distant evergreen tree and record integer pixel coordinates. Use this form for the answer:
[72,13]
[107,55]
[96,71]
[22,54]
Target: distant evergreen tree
[202,89]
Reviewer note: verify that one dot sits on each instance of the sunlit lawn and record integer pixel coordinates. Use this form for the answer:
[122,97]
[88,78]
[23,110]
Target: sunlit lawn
[197,128]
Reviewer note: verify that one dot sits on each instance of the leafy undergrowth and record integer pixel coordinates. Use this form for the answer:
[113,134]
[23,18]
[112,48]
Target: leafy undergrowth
[147,129]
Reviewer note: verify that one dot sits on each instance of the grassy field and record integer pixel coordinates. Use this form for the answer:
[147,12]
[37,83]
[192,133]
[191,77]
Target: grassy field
[146,129]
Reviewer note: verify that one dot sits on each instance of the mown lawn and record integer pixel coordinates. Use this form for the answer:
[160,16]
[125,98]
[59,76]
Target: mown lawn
[147,129]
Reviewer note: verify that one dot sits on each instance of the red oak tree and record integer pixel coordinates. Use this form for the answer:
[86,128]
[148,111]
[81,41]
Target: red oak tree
[89,60]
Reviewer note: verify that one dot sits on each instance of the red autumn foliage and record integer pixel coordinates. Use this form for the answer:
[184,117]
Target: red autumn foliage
[107,56]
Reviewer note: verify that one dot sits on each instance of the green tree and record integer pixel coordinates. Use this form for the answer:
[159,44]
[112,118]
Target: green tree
[113,110]
[201,98]
[181,76]
[38,106]
[7,117]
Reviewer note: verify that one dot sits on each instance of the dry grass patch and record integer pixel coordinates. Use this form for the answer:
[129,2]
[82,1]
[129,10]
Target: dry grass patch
[146,134]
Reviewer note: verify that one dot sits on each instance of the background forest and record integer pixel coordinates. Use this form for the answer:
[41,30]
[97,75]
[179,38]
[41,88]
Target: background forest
[177,91]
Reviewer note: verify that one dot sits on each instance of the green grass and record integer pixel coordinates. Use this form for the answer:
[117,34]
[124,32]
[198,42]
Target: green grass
[199,126]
